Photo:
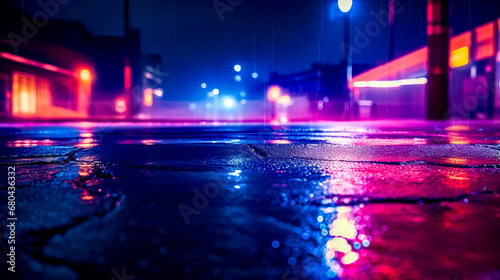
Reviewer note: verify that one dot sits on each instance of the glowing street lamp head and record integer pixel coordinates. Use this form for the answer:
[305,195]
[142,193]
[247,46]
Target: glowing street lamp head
[203,85]
[237,68]
[85,75]
[345,5]
[229,103]
[255,75]
[215,91]
[273,93]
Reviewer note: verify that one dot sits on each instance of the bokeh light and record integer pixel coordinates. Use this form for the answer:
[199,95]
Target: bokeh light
[273,93]
[85,75]
[229,103]
[120,105]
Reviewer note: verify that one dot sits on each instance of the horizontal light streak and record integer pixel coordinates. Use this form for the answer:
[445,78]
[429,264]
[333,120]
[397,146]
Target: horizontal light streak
[26,61]
[390,84]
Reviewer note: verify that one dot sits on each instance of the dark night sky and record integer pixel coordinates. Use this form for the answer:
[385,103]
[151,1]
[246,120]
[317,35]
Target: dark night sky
[262,35]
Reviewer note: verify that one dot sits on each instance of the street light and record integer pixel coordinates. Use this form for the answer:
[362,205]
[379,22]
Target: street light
[345,5]
[237,68]
[85,75]
[228,103]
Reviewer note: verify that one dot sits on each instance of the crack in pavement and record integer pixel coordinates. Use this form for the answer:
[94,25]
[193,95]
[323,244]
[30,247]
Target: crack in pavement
[38,239]
[258,151]
[409,162]
[60,159]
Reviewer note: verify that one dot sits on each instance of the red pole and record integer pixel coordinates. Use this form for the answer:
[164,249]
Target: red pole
[438,34]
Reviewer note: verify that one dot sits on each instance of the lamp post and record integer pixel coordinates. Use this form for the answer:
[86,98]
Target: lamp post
[345,6]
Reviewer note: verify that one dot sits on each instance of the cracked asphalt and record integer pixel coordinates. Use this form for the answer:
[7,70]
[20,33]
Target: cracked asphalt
[378,200]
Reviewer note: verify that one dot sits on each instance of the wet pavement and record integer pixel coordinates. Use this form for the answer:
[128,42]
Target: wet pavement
[377,200]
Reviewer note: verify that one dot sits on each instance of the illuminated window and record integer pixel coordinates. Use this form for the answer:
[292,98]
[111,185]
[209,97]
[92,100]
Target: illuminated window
[484,41]
[24,93]
[459,57]
[148,97]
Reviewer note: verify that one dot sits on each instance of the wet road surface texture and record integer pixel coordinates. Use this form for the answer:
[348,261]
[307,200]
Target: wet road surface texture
[331,201]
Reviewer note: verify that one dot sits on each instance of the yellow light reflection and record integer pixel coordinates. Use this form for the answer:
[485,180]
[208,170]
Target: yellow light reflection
[343,227]
[350,258]
[339,244]
[86,135]
[86,143]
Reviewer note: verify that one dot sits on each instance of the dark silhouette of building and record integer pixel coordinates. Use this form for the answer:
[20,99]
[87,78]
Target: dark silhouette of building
[323,84]
[69,47]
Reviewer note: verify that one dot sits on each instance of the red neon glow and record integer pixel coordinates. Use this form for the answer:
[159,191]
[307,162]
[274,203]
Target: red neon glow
[121,105]
[460,41]
[430,13]
[148,97]
[50,67]
[128,77]
[484,41]
[30,62]
[417,60]
[273,93]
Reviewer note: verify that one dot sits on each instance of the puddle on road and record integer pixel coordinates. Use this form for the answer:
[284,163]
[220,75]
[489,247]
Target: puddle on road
[356,134]
[346,224]
[351,220]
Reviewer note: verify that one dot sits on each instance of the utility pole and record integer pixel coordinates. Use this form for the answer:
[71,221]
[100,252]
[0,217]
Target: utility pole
[391,30]
[127,72]
[438,35]
[492,75]
[348,68]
